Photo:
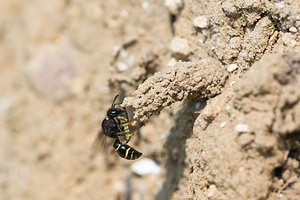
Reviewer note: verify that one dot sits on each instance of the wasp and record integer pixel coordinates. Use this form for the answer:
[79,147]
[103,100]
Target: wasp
[115,125]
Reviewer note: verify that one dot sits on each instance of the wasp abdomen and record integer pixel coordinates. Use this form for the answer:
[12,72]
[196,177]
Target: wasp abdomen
[125,151]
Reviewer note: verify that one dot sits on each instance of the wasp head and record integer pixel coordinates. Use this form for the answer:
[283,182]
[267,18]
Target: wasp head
[113,112]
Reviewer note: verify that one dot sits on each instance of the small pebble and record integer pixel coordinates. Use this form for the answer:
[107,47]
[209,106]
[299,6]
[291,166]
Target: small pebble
[232,67]
[172,62]
[200,22]
[116,50]
[244,55]
[212,190]
[229,8]
[174,6]
[293,29]
[145,166]
[241,128]
[122,66]
[145,5]
[228,107]
[280,4]
[180,48]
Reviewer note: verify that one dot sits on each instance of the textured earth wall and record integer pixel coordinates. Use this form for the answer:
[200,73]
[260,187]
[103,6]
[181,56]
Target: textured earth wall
[213,87]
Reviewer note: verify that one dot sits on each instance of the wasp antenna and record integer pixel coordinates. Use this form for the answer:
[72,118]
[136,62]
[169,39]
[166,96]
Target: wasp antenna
[113,103]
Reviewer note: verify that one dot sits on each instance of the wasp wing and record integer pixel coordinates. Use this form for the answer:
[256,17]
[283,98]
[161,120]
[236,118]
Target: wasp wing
[99,144]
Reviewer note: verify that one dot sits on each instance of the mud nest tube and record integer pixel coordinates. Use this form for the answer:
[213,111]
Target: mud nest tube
[185,80]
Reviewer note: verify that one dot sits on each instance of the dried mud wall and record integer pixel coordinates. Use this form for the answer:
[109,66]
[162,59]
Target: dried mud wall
[213,87]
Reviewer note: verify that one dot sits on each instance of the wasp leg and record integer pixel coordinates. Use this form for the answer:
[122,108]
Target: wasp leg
[122,118]
[120,134]
[131,134]
[128,137]
[128,123]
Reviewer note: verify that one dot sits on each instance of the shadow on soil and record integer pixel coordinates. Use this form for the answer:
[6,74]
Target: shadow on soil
[175,148]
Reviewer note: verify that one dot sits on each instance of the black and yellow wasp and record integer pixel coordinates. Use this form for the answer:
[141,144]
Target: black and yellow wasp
[116,125]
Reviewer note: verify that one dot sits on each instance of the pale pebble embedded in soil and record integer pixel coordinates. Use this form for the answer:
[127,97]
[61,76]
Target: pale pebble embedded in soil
[212,190]
[279,4]
[145,5]
[174,6]
[116,50]
[228,107]
[244,55]
[232,67]
[145,166]
[293,29]
[229,8]
[200,22]
[172,62]
[180,48]
[122,66]
[241,128]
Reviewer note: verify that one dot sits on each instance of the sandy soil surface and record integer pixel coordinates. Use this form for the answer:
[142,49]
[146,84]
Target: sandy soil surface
[213,87]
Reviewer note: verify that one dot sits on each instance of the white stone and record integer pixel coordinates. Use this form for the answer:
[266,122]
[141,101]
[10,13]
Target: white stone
[280,4]
[116,50]
[145,5]
[228,107]
[122,66]
[241,128]
[232,67]
[244,55]
[200,22]
[180,47]
[145,166]
[174,6]
[232,83]
[293,29]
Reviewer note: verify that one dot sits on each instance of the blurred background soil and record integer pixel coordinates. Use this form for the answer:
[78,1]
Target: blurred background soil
[219,79]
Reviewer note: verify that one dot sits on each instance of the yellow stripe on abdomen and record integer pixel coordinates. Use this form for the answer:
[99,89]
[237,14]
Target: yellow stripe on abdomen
[132,154]
[118,147]
[127,151]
